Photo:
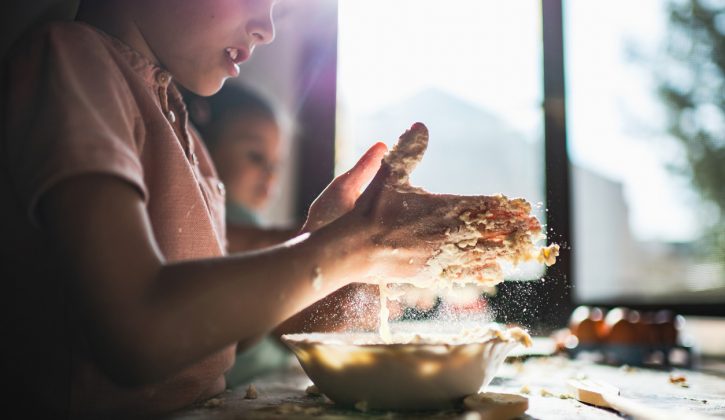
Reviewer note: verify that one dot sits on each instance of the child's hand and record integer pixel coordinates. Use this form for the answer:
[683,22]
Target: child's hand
[401,228]
[339,197]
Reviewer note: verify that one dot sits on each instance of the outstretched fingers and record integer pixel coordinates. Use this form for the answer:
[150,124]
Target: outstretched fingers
[374,188]
[367,166]
[351,183]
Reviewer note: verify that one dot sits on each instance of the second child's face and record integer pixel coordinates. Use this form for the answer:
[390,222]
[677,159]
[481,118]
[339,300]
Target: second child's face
[246,155]
[203,42]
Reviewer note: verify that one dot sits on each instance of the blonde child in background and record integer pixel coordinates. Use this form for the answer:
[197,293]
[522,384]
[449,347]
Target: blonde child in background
[243,133]
[244,138]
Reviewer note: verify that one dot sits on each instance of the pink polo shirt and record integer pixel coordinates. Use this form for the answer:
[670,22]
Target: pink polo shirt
[78,101]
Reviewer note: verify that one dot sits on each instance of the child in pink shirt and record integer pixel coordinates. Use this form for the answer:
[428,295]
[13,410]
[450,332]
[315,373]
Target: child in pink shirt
[118,296]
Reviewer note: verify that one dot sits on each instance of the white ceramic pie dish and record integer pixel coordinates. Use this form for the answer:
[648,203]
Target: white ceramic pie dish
[357,370]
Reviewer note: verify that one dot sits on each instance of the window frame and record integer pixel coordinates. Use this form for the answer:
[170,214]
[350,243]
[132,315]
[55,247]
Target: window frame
[557,145]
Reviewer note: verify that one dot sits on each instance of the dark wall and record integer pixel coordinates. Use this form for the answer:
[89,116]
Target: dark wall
[18,16]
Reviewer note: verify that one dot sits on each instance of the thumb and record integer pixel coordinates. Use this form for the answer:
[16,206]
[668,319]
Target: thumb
[353,181]
[372,191]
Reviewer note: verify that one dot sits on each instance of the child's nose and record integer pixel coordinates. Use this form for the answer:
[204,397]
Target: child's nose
[270,170]
[262,29]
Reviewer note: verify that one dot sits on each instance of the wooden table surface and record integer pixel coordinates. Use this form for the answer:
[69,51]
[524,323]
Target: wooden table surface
[542,379]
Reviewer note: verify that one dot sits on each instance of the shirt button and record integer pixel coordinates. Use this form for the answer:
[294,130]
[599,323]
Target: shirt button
[220,187]
[171,116]
[194,159]
[163,78]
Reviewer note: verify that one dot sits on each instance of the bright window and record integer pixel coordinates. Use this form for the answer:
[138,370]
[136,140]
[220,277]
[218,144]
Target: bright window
[471,70]
[642,231]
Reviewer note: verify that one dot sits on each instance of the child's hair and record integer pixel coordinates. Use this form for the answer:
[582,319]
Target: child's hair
[208,113]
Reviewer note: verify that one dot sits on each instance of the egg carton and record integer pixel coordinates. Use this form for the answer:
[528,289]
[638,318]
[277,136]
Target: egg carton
[658,357]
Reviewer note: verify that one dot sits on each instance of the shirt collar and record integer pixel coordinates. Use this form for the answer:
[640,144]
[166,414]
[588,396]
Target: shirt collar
[154,75]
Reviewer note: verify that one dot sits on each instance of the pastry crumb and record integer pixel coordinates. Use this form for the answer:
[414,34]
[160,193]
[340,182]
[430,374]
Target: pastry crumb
[361,406]
[291,408]
[525,390]
[313,390]
[547,255]
[628,368]
[251,393]
[546,393]
[679,379]
[212,403]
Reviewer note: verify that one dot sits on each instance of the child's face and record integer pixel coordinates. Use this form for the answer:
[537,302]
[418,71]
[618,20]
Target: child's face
[202,42]
[246,154]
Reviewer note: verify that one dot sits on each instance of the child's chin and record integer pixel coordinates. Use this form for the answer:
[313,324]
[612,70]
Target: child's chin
[205,87]
[210,90]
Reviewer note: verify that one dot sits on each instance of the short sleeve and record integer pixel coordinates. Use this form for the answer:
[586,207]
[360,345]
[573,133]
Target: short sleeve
[68,112]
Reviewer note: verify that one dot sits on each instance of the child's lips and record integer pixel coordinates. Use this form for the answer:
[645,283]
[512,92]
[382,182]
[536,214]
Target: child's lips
[235,56]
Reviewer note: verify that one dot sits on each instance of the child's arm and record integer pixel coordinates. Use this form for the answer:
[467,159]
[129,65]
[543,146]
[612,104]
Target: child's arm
[246,238]
[146,319]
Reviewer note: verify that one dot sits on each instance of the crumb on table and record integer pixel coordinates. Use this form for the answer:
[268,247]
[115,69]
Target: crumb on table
[546,393]
[212,403]
[679,379]
[251,393]
[313,391]
[361,406]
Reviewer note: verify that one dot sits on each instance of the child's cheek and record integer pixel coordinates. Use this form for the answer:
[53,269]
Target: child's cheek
[248,179]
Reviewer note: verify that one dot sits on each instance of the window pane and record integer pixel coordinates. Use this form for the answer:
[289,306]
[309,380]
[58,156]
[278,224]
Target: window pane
[469,69]
[642,229]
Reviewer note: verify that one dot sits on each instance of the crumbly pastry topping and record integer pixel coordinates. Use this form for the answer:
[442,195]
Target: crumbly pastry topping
[482,334]
[495,331]
[486,229]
